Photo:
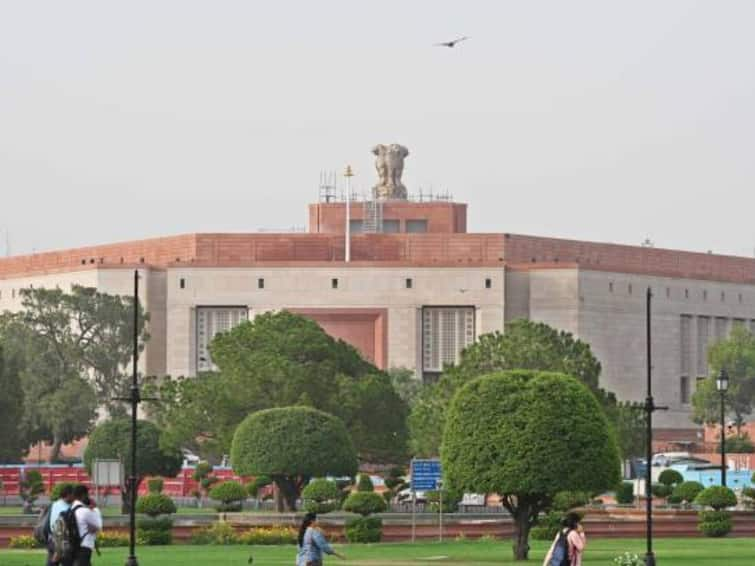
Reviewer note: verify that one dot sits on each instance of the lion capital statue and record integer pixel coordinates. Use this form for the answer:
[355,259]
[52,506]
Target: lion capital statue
[390,166]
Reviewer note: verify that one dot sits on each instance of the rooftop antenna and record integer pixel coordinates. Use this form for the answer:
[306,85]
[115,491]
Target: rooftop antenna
[348,174]
[327,186]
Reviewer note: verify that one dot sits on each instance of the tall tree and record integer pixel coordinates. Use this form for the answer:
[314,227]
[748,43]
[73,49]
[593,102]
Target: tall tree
[523,345]
[58,404]
[736,354]
[279,360]
[13,441]
[90,333]
[527,436]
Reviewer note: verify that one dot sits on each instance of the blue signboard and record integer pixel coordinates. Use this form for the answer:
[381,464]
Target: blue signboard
[426,475]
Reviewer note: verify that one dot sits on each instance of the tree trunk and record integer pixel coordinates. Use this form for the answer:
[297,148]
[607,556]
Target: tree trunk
[286,494]
[57,444]
[522,524]
[126,495]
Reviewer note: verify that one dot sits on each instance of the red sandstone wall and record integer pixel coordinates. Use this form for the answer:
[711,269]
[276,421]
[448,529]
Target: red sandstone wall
[442,217]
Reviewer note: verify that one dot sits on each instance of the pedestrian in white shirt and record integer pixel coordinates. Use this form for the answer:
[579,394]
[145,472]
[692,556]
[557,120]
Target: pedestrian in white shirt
[89,523]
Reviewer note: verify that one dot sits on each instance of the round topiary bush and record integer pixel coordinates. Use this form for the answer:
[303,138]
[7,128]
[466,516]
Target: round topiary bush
[714,523]
[320,496]
[670,477]
[155,485]
[686,492]
[364,503]
[364,529]
[231,495]
[625,493]
[154,530]
[154,504]
[716,496]
[365,483]
[660,490]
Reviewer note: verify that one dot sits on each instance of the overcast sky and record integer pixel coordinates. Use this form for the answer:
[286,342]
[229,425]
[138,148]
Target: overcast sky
[598,120]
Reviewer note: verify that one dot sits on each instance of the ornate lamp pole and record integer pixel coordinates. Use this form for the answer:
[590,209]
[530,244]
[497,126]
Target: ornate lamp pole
[135,399]
[722,385]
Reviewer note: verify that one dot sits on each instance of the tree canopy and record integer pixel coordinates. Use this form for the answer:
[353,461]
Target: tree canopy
[279,360]
[13,441]
[737,355]
[527,436]
[292,445]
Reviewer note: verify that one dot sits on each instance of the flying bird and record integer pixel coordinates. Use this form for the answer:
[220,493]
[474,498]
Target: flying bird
[451,43]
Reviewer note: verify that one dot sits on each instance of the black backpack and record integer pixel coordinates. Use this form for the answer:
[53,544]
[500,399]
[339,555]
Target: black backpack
[560,555]
[70,542]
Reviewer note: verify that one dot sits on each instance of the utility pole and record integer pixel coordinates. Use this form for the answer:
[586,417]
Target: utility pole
[348,174]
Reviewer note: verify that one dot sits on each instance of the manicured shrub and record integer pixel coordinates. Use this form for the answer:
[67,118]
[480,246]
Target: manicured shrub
[320,496]
[660,490]
[567,500]
[716,496]
[547,526]
[625,493]
[364,529]
[269,536]
[31,487]
[364,503]
[26,542]
[155,485]
[714,523]
[231,494]
[748,497]
[686,492]
[107,539]
[220,533]
[670,477]
[154,504]
[57,489]
[365,483]
[154,531]
[253,488]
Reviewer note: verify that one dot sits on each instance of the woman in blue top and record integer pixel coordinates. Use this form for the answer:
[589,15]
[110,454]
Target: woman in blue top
[312,543]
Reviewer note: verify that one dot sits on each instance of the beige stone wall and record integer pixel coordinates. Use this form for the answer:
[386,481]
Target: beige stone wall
[358,287]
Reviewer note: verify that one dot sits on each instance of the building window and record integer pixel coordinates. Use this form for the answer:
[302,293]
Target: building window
[705,294]
[686,293]
[408,282]
[416,226]
[685,346]
[703,334]
[12,293]
[211,321]
[629,288]
[610,286]
[446,331]
[334,283]
[739,297]
[488,283]
[182,283]
[722,328]
[723,296]
[391,226]
[260,283]
[668,292]
[356,226]
[684,392]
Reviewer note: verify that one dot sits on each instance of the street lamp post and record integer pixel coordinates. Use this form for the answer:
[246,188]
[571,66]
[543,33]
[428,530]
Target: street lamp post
[722,385]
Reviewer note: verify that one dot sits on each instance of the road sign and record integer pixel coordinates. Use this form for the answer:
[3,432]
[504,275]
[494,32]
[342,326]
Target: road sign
[425,475]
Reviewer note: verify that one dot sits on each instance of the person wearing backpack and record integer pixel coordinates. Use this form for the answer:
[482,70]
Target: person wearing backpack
[59,507]
[569,544]
[82,523]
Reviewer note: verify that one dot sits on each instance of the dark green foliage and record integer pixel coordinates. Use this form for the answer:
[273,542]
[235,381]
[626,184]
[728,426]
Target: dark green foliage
[509,433]
[203,476]
[13,438]
[111,440]
[714,523]
[716,496]
[258,483]
[154,531]
[365,483]
[670,478]
[231,495]
[31,487]
[625,493]
[58,488]
[291,445]
[280,360]
[739,444]
[221,533]
[547,526]
[364,503]
[686,492]
[568,500]
[320,496]
[748,496]
[155,485]
[364,529]
[154,504]
[661,491]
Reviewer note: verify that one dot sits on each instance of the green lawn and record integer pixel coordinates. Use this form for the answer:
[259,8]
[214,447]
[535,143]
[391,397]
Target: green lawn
[670,552]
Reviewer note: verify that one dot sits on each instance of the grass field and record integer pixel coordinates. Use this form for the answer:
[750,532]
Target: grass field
[670,552]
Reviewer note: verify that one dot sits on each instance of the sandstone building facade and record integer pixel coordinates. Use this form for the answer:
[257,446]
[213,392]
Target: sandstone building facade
[419,291]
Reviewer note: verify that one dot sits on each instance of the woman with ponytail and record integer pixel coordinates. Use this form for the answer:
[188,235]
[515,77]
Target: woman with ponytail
[312,543]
